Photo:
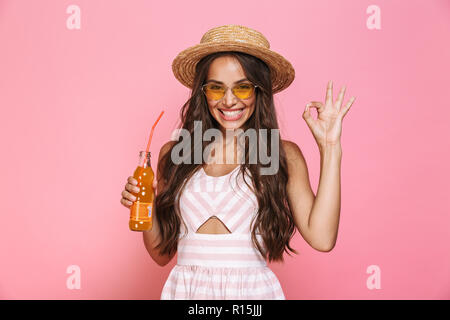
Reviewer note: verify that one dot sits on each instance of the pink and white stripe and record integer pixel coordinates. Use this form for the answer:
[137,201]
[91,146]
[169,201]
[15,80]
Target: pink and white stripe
[220,266]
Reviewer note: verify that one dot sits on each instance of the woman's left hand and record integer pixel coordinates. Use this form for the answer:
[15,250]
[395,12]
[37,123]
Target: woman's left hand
[328,126]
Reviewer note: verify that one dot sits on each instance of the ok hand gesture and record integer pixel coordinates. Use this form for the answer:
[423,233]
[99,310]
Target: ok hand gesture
[328,126]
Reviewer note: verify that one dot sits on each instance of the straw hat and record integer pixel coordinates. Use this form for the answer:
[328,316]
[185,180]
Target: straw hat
[233,38]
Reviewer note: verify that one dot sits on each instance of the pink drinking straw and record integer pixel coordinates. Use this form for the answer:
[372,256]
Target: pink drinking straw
[150,140]
[151,132]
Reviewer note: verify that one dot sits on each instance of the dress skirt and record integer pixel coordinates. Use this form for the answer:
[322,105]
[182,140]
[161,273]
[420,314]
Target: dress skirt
[220,266]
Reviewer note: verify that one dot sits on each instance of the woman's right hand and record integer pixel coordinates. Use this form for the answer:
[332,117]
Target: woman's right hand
[127,197]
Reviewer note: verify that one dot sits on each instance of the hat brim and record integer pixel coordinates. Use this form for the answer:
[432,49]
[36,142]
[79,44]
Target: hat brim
[183,66]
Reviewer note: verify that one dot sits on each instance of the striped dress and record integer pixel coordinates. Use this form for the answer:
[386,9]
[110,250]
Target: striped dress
[219,266]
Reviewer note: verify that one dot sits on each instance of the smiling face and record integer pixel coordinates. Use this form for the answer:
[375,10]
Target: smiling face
[229,71]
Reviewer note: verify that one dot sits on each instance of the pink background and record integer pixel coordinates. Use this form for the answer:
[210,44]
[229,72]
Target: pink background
[78,105]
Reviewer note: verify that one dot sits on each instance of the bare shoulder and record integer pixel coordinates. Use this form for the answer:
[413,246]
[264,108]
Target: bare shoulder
[166,148]
[293,151]
[297,166]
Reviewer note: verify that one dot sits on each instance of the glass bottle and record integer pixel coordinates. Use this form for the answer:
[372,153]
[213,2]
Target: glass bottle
[141,210]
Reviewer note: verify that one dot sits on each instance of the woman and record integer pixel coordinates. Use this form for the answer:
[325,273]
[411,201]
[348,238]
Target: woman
[226,220]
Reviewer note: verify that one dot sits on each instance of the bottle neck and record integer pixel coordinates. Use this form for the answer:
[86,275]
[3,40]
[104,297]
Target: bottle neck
[144,159]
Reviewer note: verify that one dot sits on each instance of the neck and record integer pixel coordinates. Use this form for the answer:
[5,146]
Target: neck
[228,146]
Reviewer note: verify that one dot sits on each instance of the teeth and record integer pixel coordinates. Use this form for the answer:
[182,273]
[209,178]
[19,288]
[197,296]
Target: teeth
[231,113]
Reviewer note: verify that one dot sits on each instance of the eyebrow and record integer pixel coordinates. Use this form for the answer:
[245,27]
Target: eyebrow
[212,80]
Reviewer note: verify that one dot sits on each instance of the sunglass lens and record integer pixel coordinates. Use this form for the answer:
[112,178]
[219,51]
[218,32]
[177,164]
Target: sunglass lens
[243,91]
[214,91]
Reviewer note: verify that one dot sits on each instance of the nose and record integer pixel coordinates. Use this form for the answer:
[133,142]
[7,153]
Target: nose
[229,99]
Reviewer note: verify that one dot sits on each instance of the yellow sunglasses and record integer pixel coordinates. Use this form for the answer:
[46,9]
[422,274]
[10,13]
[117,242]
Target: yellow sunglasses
[215,91]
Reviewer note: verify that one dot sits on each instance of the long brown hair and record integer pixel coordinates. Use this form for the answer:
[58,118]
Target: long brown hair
[274,219]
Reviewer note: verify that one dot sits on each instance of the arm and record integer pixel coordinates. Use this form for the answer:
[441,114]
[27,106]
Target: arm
[152,236]
[316,217]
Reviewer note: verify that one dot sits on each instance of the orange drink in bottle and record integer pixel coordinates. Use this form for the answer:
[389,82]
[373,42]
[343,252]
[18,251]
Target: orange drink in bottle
[141,210]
